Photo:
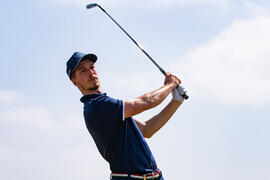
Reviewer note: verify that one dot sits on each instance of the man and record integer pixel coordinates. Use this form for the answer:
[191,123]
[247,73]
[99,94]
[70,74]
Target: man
[118,136]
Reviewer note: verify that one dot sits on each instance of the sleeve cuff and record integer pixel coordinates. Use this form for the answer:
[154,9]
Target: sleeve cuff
[123,111]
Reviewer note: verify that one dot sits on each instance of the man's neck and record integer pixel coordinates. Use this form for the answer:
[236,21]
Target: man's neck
[96,91]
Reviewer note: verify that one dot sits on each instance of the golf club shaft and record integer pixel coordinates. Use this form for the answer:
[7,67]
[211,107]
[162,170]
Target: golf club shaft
[89,6]
[162,70]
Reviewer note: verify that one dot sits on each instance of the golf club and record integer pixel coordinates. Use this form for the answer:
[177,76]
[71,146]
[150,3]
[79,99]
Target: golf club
[181,91]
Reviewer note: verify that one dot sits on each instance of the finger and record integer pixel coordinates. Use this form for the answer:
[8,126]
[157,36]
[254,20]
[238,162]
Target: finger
[168,74]
[179,81]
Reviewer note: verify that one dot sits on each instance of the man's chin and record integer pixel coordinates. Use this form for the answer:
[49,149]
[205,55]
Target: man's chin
[95,87]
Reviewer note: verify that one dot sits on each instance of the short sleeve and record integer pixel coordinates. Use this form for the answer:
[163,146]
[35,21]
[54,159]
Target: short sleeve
[110,110]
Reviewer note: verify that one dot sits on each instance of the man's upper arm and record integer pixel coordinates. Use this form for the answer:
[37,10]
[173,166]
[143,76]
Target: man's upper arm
[136,106]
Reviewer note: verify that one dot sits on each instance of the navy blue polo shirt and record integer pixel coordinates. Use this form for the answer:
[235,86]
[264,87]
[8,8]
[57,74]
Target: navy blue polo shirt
[118,139]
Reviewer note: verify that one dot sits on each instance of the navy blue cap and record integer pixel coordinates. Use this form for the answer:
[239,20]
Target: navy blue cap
[75,60]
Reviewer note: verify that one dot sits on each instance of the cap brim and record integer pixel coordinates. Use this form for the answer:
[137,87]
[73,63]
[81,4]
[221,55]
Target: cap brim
[91,57]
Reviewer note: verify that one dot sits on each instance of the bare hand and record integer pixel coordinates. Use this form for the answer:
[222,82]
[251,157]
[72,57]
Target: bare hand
[172,79]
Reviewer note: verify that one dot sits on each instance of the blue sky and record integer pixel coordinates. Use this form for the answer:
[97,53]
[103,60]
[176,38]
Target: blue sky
[219,48]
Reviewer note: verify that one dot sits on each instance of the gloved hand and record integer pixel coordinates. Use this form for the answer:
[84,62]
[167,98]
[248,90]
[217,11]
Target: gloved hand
[176,93]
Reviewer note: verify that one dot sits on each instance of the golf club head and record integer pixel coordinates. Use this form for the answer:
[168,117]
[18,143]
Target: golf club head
[89,6]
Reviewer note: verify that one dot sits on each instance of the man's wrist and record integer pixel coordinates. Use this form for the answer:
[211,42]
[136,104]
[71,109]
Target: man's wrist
[176,101]
[171,85]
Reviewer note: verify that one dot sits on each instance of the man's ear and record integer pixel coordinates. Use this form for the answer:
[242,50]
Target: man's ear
[74,82]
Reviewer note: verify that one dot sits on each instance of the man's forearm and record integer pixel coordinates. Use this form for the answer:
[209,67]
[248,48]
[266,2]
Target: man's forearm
[155,123]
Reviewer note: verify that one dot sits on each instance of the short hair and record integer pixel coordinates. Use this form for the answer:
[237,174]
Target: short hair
[73,75]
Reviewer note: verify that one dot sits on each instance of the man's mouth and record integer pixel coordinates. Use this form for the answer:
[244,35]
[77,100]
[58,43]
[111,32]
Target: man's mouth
[93,78]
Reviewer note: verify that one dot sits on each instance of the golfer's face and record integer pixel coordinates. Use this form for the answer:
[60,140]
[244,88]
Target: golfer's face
[86,75]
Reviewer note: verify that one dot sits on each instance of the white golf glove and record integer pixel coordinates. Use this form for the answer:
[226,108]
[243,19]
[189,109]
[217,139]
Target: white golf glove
[176,94]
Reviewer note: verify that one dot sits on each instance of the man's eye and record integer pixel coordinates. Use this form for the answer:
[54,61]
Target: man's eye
[93,68]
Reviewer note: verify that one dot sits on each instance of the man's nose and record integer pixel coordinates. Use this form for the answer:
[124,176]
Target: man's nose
[91,71]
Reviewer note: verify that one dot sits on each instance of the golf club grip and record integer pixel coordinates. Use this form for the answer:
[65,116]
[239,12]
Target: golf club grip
[183,93]
[185,96]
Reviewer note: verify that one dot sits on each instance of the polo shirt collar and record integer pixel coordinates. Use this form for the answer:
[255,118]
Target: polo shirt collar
[88,97]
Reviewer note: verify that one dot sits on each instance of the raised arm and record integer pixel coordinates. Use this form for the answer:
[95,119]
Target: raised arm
[151,99]
[151,126]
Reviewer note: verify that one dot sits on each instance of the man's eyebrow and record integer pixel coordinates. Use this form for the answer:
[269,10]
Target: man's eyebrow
[80,67]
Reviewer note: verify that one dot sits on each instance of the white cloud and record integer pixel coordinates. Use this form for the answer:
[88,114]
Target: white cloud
[15,110]
[8,96]
[38,117]
[137,84]
[257,10]
[234,66]
[38,136]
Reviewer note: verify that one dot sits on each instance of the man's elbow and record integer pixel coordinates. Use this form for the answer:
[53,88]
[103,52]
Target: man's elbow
[147,135]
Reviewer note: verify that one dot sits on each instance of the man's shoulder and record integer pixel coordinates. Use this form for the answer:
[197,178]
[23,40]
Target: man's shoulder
[104,108]
[102,102]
